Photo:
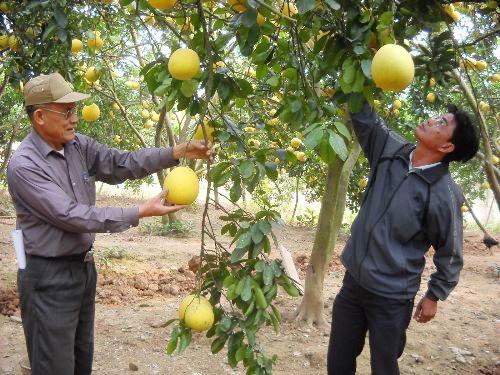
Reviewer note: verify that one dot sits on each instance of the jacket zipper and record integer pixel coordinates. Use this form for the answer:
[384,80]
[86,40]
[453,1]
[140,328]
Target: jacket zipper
[380,217]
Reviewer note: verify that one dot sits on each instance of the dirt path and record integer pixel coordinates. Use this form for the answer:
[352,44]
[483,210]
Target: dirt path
[144,278]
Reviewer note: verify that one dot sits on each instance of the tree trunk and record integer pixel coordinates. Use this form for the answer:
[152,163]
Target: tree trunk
[488,153]
[330,221]
[8,148]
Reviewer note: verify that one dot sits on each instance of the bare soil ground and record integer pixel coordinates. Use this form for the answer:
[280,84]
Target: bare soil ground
[143,278]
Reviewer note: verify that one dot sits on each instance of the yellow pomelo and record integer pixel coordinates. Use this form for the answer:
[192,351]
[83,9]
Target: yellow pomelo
[188,300]
[4,41]
[162,4]
[145,113]
[182,185]
[455,16]
[184,64]
[431,97]
[4,8]
[76,46]
[14,42]
[91,112]
[396,104]
[238,5]
[92,74]
[392,68]
[300,155]
[495,77]
[95,42]
[362,183]
[133,85]
[295,142]
[481,65]
[199,132]
[260,19]
[289,9]
[199,315]
[155,116]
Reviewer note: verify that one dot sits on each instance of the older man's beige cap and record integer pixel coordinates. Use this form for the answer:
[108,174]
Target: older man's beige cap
[51,88]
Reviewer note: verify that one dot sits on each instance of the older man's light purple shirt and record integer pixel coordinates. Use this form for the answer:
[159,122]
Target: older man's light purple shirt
[54,195]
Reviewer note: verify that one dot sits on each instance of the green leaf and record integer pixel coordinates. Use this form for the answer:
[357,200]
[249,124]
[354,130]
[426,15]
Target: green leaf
[386,18]
[256,234]
[358,82]
[264,226]
[271,170]
[218,344]
[313,138]
[259,266]
[295,105]
[349,74]
[188,88]
[235,191]
[333,4]
[62,34]
[342,129]
[246,293]
[305,6]
[225,323]
[244,240]
[261,71]
[237,254]
[172,345]
[359,50]
[249,18]
[60,18]
[185,339]
[222,40]
[268,275]
[240,353]
[366,66]
[356,102]
[290,73]
[274,81]
[338,145]
[220,173]
[244,86]
[49,31]
[246,168]
[247,39]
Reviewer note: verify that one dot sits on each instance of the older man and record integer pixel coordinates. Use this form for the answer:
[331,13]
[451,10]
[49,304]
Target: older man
[51,179]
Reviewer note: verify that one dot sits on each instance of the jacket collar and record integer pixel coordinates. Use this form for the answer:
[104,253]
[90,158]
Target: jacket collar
[429,175]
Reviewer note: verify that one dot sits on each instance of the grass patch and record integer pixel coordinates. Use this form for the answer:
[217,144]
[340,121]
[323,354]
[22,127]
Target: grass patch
[179,228]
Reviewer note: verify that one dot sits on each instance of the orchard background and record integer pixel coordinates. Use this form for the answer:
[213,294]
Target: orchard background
[274,89]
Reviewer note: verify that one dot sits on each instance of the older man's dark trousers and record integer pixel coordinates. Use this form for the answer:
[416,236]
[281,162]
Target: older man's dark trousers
[57,298]
[356,311]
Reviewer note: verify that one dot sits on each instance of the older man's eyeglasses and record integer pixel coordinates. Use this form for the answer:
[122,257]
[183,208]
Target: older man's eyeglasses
[67,115]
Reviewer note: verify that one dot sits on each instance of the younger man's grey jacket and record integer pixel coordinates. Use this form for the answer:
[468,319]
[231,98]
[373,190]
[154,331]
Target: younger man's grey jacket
[404,213]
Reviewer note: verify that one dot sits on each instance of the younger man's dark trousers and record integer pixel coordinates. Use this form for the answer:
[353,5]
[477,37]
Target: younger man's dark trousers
[356,311]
